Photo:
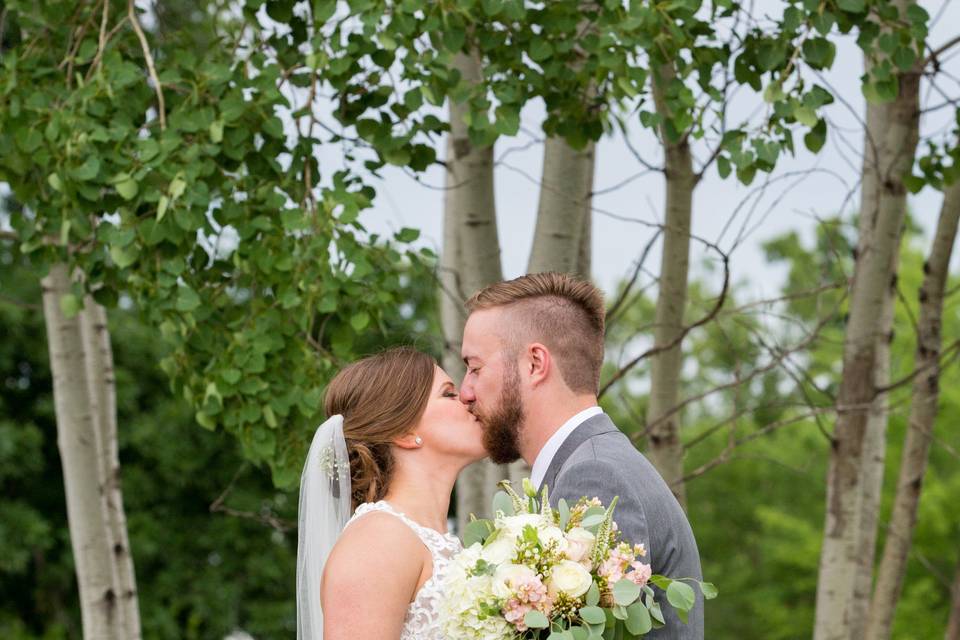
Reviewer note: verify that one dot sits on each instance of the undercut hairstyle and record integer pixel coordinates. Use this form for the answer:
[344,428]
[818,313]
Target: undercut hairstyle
[561,311]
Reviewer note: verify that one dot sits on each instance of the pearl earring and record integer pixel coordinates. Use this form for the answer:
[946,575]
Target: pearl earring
[418,440]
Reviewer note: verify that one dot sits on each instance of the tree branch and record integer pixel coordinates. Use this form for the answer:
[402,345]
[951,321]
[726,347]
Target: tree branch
[936,53]
[665,347]
[148,57]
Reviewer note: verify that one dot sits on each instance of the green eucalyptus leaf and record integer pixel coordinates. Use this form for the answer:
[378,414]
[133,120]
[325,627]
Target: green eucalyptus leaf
[625,592]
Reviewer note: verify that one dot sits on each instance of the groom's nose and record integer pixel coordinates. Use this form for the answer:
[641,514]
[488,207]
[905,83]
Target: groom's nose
[467,396]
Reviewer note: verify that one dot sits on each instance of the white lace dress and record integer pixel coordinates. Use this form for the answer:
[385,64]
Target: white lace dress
[422,621]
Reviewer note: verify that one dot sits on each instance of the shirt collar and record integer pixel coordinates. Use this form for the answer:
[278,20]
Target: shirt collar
[545,457]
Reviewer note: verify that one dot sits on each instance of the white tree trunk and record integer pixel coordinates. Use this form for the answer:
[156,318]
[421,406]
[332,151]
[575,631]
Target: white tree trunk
[78,444]
[564,207]
[561,239]
[923,414]
[471,260]
[874,457]
[893,133]
[98,353]
[665,449]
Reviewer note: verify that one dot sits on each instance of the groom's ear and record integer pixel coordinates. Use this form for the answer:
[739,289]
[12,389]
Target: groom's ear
[538,363]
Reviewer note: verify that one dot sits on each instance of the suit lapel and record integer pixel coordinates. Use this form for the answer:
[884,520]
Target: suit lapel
[593,426]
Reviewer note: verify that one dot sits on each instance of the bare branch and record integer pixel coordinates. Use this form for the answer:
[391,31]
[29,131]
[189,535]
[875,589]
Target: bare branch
[721,298]
[936,53]
[148,57]
[264,517]
[615,308]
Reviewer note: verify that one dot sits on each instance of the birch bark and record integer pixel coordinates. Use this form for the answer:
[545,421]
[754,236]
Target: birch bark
[98,353]
[892,135]
[77,441]
[561,239]
[470,261]
[663,441]
[923,414]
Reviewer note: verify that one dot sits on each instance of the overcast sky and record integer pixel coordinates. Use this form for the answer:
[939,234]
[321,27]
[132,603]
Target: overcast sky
[786,204]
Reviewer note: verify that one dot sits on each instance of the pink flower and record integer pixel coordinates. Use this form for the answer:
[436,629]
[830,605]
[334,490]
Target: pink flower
[611,569]
[529,593]
[641,573]
[614,567]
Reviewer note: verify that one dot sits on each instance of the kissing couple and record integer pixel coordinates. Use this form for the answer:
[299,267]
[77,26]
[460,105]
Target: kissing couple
[376,487]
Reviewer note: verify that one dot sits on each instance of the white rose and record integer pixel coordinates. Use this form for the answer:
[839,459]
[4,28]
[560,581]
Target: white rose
[507,575]
[550,533]
[500,550]
[570,578]
[579,544]
[516,524]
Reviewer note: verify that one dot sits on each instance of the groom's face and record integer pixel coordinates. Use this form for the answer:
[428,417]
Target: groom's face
[491,385]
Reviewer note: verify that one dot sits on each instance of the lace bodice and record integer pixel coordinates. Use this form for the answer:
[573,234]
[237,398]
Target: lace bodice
[422,621]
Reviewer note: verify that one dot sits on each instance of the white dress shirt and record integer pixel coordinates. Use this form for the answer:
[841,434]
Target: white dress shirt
[545,457]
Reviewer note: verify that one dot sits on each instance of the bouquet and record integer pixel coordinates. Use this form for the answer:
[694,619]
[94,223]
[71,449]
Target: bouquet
[558,574]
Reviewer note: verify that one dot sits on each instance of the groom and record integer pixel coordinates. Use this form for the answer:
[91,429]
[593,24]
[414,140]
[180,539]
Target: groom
[533,349]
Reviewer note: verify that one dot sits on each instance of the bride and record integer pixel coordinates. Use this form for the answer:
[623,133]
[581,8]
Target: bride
[373,541]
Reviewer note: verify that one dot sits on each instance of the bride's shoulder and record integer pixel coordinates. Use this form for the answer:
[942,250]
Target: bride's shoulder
[373,538]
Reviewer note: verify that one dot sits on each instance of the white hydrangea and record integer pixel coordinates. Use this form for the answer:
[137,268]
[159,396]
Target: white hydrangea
[470,609]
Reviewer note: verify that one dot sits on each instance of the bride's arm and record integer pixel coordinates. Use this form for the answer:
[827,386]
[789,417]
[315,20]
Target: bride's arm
[370,579]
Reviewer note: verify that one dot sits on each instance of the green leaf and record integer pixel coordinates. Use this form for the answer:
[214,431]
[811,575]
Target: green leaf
[407,234]
[205,421]
[625,592]
[177,186]
[536,620]
[593,615]
[123,257]
[127,188]
[502,502]
[819,52]
[476,531]
[904,58]
[187,299]
[55,182]
[709,590]
[723,166]
[399,157]
[69,305]
[816,137]
[638,619]
[593,594]
[29,138]
[564,510]
[681,596]
[805,115]
[162,207]
[269,416]
[360,320]
[540,49]
[852,6]
[216,131]
[592,520]
[88,170]
[913,183]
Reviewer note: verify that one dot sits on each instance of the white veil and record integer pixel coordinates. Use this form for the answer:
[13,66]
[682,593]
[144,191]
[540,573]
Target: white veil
[324,511]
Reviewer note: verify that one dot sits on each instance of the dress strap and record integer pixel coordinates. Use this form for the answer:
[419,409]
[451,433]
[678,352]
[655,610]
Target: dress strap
[431,538]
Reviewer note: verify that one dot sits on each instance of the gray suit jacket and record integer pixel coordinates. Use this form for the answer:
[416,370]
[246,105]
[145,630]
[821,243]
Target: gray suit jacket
[597,459]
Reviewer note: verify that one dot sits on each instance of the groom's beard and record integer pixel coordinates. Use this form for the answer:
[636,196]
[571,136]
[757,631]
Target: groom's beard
[501,428]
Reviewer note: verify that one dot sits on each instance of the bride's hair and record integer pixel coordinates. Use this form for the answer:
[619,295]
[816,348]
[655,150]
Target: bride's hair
[381,398]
